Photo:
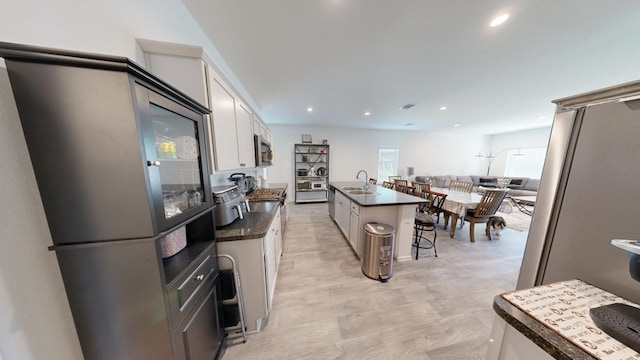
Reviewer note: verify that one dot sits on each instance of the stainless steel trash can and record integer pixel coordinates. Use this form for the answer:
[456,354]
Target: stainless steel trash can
[377,258]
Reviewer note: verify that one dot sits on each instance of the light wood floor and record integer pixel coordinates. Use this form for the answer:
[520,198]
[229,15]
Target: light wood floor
[433,308]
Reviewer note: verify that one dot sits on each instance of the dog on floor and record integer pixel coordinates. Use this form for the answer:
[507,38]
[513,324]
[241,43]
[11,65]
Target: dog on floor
[496,224]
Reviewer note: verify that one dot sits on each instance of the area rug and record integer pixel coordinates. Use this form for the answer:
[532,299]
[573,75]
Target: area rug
[514,218]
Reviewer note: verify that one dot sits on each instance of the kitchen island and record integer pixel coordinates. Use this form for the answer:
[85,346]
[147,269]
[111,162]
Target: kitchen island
[351,207]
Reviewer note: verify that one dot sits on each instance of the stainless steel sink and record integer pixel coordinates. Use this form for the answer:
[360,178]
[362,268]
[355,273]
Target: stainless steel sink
[347,188]
[360,192]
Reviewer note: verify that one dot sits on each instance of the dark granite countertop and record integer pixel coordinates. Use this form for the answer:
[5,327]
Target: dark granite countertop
[556,317]
[548,340]
[254,225]
[382,196]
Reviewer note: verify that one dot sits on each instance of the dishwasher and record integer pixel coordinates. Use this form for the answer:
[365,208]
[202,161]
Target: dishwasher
[332,202]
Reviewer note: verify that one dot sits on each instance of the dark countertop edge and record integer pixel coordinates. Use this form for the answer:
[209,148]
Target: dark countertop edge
[548,340]
[262,230]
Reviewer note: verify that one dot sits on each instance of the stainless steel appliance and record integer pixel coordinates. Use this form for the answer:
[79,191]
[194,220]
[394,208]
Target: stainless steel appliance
[263,151]
[245,183]
[377,258]
[332,202]
[229,204]
[587,195]
[318,185]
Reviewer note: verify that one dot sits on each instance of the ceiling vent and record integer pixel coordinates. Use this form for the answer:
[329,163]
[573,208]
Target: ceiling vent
[407,106]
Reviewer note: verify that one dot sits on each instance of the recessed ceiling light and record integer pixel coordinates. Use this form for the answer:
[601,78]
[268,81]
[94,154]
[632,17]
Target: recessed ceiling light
[407,106]
[499,20]
[541,117]
[456,125]
[309,109]
[367,113]
[443,108]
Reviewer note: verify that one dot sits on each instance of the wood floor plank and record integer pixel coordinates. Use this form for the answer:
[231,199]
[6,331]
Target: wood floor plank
[433,308]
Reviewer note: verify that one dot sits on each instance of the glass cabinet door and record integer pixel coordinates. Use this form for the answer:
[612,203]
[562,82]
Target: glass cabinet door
[178,154]
[174,147]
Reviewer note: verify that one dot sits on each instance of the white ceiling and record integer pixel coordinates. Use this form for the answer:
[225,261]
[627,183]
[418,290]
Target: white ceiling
[345,57]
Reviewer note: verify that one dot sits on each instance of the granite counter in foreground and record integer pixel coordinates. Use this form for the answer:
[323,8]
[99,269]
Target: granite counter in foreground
[555,317]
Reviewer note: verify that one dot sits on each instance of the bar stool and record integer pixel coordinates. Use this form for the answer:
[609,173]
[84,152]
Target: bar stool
[425,221]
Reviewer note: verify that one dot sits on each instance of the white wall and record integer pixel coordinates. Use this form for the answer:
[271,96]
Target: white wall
[435,153]
[527,139]
[36,320]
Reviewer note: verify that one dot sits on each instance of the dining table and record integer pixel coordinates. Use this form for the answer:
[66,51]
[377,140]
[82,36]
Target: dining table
[456,205]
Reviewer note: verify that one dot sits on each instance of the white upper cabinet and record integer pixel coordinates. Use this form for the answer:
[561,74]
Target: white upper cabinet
[246,149]
[231,124]
[223,114]
[190,79]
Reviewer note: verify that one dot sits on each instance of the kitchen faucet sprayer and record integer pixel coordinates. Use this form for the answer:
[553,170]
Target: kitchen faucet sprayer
[366,177]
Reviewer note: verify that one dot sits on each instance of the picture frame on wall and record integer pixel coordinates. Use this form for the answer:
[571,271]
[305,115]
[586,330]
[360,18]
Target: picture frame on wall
[306,138]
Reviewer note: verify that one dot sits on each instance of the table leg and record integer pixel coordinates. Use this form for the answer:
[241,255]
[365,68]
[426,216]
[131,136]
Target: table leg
[454,222]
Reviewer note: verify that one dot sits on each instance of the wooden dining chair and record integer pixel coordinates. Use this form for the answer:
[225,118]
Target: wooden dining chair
[401,182]
[393,178]
[373,181]
[461,186]
[420,186]
[387,185]
[425,221]
[406,189]
[486,209]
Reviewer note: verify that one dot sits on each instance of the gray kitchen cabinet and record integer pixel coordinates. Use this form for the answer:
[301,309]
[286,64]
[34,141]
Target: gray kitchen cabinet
[193,71]
[121,164]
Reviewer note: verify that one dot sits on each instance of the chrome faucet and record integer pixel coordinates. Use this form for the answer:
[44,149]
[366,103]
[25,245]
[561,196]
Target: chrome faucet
[366,179]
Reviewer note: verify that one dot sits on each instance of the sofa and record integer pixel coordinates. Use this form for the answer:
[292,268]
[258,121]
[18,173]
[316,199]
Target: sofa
[519,186]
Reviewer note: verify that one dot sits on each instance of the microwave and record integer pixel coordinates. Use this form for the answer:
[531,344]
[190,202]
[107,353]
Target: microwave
[318,185]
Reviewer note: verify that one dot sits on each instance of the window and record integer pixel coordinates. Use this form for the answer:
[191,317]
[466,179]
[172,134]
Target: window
[525,162]
[387,163]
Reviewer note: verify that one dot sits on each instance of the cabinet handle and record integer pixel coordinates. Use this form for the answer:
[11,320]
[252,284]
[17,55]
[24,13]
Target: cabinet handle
[200,277]
[243,165]
[153,163]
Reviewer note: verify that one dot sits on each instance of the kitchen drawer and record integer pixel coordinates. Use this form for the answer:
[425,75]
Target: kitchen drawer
[355,208]
[186,287]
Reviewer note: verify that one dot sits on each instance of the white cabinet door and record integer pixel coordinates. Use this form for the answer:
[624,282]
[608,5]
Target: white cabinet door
[343,216]
[354,231]
[225,138]
[246,154]
[277,223]
[256,125]
[185,73]
[270,268]
[272,248]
